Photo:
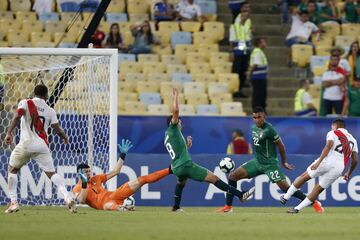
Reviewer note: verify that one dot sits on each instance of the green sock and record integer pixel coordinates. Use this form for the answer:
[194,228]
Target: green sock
[227,188]
[178,192]
[229,196]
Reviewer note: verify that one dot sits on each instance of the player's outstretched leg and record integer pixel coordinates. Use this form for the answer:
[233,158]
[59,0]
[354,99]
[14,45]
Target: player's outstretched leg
[60,184]
[13,206]
[308,200]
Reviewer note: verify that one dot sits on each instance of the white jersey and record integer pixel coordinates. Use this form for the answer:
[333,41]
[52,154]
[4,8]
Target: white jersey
[344,145]
[30,127]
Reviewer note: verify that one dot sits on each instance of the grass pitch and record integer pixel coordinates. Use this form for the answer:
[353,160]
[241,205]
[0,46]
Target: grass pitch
[53,223]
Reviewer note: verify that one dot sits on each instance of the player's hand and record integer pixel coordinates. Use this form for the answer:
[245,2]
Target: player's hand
[65,140]
[347,176]
[315,166]
[82,176]
[189,141]
[288,166]
[125,146]
[8,139]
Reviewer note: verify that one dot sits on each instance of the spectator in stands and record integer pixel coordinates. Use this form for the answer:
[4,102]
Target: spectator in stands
[98,38]
[144,39]
[314,12]
[303,6]
[352,105]
[343,63]
[303,104]
[180,5]
[258,73]
[114,39]
[42,6]
[330,13]
[333,81]
[240,40]
[352,11]
[235,6]
[238,144]
[353,57]
[2,85]
[163,11]
[191,12]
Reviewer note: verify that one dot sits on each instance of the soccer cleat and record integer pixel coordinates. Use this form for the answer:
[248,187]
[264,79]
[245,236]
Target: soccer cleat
[247,194]
[71,205]
[283,200]
[177,209]
[225,209]
[12,207]
[293,211]
[317,207]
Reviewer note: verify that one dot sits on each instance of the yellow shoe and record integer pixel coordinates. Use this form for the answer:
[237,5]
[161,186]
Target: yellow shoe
[225,209]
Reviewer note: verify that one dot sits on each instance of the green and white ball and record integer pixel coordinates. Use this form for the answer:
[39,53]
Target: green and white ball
[226,165]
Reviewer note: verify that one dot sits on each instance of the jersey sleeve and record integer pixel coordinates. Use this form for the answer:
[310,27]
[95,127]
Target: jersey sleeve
[101,178]
[54,119]
[331,136]
[22,107]
[274,136]
[257,59]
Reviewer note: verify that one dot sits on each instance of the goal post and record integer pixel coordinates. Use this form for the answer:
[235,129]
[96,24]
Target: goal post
[86,104]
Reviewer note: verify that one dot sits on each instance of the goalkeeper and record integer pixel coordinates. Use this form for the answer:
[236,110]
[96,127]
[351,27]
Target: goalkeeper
[90,188]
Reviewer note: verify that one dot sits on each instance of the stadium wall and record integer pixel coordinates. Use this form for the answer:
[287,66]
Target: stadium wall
[32,184]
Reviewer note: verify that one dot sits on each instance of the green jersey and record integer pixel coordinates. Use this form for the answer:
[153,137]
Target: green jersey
[175,144]
[264,139]
[354,99]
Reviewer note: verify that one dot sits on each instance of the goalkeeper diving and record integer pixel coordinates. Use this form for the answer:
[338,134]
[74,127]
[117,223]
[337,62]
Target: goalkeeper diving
[90,190]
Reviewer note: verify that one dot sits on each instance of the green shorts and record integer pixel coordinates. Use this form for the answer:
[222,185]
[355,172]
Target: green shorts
[273,171]
[190,170]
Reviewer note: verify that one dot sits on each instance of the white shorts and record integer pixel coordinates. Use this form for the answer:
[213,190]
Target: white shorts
[327,173]
[25,151]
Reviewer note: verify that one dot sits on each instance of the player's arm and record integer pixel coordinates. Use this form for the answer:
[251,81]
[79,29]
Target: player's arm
[330,83]
[14,122]
[81,195]
[354,162]
[60,132]
[280,145]
[175,116]
[124,149]
[324,153]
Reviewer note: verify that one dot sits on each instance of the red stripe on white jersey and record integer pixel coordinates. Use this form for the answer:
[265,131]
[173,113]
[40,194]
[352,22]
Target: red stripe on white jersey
[346,149]
[39,127]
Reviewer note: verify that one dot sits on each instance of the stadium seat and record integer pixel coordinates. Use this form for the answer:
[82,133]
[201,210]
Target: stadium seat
[217,99]
[324,41]
[330,29]
[181,77]
[166,88]
[126,87]
[197,98]
[350,29]
[134,77]
[43,44]
[215,88]
[123,57]
[196,68]
[175,68]
[158,77]
[43,17]
[195,57]
[124,97]
[318,61]
[128,38]
[20,5]
[208,49]
[314,90]
[138,17]
[87,16]
[203,37]
[344,41]
[163,37]
[54,27]
[70,17]
[301,54]
[186,110]
[232,79]
[134,107]
[150,98]
[142,87]
[232,109]
[190,26]
[204,77]
[4,4]
[31,26]
[219,57]
[162,49]
[207,110]
[4,44]
[64,37]
[138,6]
[153,67]
[124,27]
[16,36]
[207,7]
[158,109]
[116,6]
[7,24]
[225,67]
[322,51]
[130,67]
[69,6]
[170,59]
[180,38]
[116,17]
[40,37]
[21,16]
[215,29]
[169,27]
[67,45]
[104,26]
[182,49]
[318,71]
[7,15]
[194,88]
[148,58]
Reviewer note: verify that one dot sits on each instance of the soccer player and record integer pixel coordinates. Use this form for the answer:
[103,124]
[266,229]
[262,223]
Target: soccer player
[340,147]
[183,167]
[90,188]
[265,140]
[35,118]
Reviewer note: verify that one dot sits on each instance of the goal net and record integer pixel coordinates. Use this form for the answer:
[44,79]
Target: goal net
[82,87]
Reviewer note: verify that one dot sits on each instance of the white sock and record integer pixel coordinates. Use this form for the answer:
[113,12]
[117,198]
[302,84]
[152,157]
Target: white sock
[60,183]
[12,186]
[306,202]
[292,189]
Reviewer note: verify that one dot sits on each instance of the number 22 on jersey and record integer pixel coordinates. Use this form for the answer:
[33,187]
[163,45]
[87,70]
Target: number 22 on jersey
[169,148]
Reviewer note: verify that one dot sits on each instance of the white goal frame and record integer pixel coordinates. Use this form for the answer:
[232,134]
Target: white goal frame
[113,101]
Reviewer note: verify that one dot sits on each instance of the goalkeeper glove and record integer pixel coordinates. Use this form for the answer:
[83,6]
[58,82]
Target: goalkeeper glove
[124,147]
[83,178]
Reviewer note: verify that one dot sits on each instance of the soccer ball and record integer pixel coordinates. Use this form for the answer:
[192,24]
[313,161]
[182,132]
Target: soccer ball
[129,204]
[226,165]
